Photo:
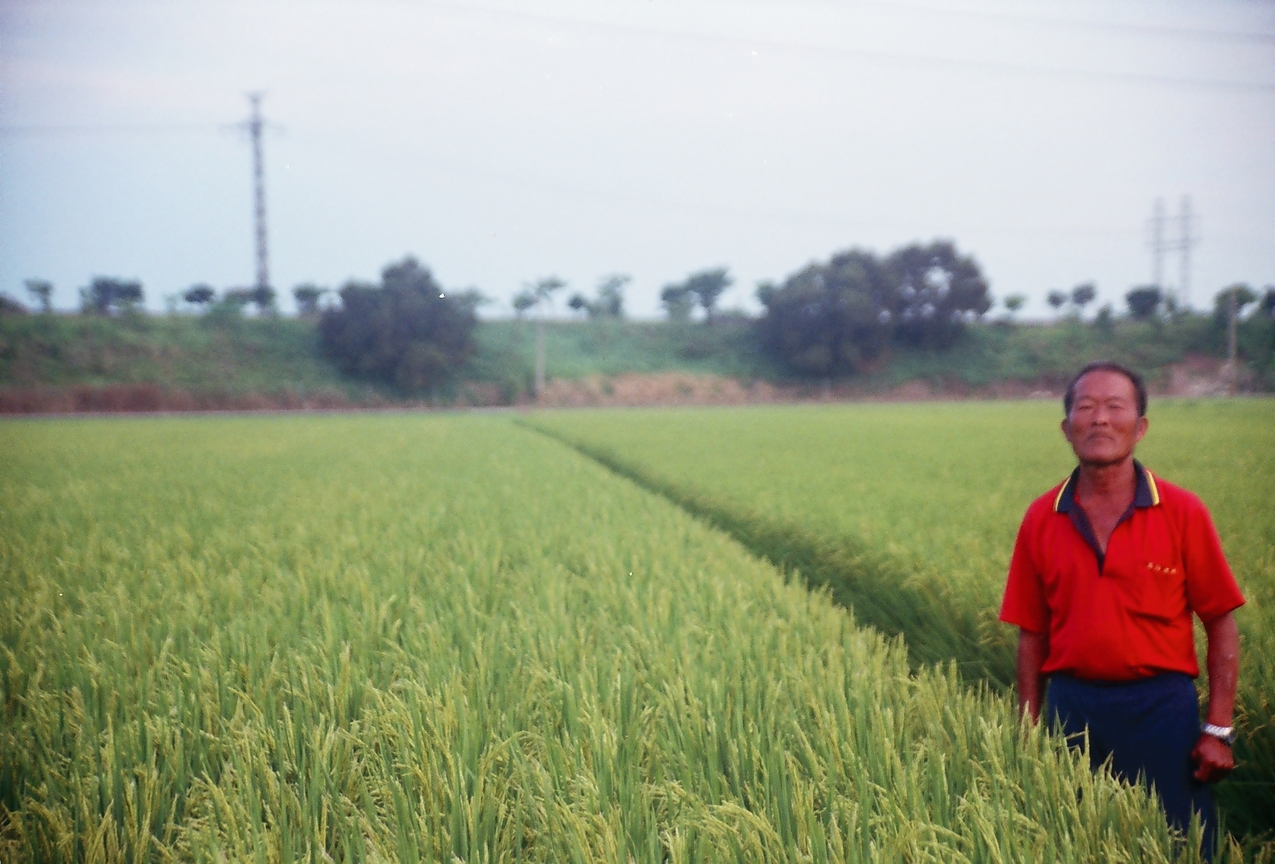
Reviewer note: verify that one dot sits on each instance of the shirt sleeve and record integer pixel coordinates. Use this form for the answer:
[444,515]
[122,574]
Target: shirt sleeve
[1024,602]
[1211,588]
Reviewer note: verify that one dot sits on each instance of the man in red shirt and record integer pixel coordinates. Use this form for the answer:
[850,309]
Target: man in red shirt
[1108,569]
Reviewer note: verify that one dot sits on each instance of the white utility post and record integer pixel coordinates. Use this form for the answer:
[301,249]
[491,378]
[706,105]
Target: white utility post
[544,291]
[1232,359]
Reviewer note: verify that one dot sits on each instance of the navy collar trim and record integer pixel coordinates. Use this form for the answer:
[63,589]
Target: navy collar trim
[1147,493]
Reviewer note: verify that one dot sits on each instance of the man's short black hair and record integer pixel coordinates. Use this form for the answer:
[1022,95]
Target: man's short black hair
[1139,385]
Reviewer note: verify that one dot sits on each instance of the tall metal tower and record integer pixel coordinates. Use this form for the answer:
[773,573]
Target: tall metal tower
[1155,227]
[1186,239]
[255,125]
[1160,244]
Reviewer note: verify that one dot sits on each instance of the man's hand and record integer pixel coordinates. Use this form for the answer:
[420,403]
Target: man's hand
[1212,756]
[1213,759]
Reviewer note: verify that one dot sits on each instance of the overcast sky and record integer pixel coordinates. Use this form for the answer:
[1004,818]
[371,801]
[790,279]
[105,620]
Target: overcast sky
[499,142]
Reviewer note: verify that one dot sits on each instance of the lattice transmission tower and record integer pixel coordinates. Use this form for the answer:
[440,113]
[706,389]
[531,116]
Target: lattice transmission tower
[1161,244]
[1188,237]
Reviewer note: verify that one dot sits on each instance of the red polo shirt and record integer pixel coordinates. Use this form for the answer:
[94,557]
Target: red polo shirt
[1126,614]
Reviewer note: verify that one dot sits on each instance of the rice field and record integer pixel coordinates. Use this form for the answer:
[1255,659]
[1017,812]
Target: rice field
[425,638]
[908,514]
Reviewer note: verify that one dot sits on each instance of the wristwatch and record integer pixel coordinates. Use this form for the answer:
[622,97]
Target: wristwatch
[1225,734]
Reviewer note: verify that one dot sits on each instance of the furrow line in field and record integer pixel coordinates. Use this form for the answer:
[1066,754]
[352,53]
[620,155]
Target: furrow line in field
[880,591]
[936,627]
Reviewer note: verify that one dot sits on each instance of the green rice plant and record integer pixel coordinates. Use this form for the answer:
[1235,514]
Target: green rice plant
[410,638]
[908,513]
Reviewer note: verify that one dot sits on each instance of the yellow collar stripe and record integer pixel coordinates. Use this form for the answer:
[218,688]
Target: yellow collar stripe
[1061,491]
[1155,491]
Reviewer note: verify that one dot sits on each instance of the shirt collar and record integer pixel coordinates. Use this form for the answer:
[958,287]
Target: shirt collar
[1147,493]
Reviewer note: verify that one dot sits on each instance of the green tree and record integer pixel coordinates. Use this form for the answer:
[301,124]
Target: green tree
[9,306]
[234,299]
[42,291]
[1244,296]
[106,295]
[1014,303]
[544,289]
[610,301]
[1268,301]
[1105,320]
[706,287]
[407,331]
[523,301]
[578,303]
[1144,301]
[308,297]
[1056,299]
[199,295]
[1082,295]
[678,302]
[830,319]
[935,290]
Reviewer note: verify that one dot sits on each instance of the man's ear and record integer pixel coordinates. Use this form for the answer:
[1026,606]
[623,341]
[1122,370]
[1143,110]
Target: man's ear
[1066,429]
[1140,430]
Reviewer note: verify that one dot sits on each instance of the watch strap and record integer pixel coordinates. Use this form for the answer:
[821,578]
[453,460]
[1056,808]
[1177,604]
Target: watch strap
[1222,733]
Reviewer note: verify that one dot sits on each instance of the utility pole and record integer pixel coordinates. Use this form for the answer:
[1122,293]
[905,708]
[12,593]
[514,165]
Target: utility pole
[255,124]
[543,292]
[540,353]
[1232,360]
[1186,239]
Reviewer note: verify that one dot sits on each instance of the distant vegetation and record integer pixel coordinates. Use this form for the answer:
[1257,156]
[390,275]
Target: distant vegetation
[405,332]
[839,318]
[920,313]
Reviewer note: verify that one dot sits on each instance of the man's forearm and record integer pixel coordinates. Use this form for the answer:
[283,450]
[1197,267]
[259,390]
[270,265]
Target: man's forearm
[1213,758]
[1033,648]
[1223,665]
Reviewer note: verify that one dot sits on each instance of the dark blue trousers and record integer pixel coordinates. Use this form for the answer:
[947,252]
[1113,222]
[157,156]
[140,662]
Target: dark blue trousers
[1148,728]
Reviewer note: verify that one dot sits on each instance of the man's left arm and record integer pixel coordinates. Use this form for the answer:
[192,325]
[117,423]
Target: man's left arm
[1212,756]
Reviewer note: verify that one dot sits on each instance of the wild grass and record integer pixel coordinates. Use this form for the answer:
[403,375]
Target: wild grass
[417,638]
[212,353]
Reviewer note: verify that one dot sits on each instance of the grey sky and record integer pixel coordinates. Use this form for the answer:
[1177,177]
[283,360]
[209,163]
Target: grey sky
[499,142]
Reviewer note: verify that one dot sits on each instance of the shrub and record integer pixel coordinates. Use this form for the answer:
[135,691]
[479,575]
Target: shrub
[407,331]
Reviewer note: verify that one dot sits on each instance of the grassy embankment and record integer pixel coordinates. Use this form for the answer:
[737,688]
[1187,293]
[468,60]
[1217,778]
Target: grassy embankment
[447,638]
[908,514]
[222,360]
[215,360]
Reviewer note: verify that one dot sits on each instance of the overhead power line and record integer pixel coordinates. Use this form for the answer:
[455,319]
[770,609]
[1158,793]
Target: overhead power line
[983,66]
[107,128]
[1165,31]
[994,67]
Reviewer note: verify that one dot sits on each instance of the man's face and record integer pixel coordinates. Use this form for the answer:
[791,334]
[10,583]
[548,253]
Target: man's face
[1104,425]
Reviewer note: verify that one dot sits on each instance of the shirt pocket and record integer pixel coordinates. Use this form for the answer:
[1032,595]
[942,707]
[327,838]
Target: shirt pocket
[1157,589]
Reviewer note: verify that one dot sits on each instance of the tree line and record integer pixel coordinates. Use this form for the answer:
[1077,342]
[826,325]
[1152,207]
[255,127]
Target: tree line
[110,295]
[828,319]
[835,318]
